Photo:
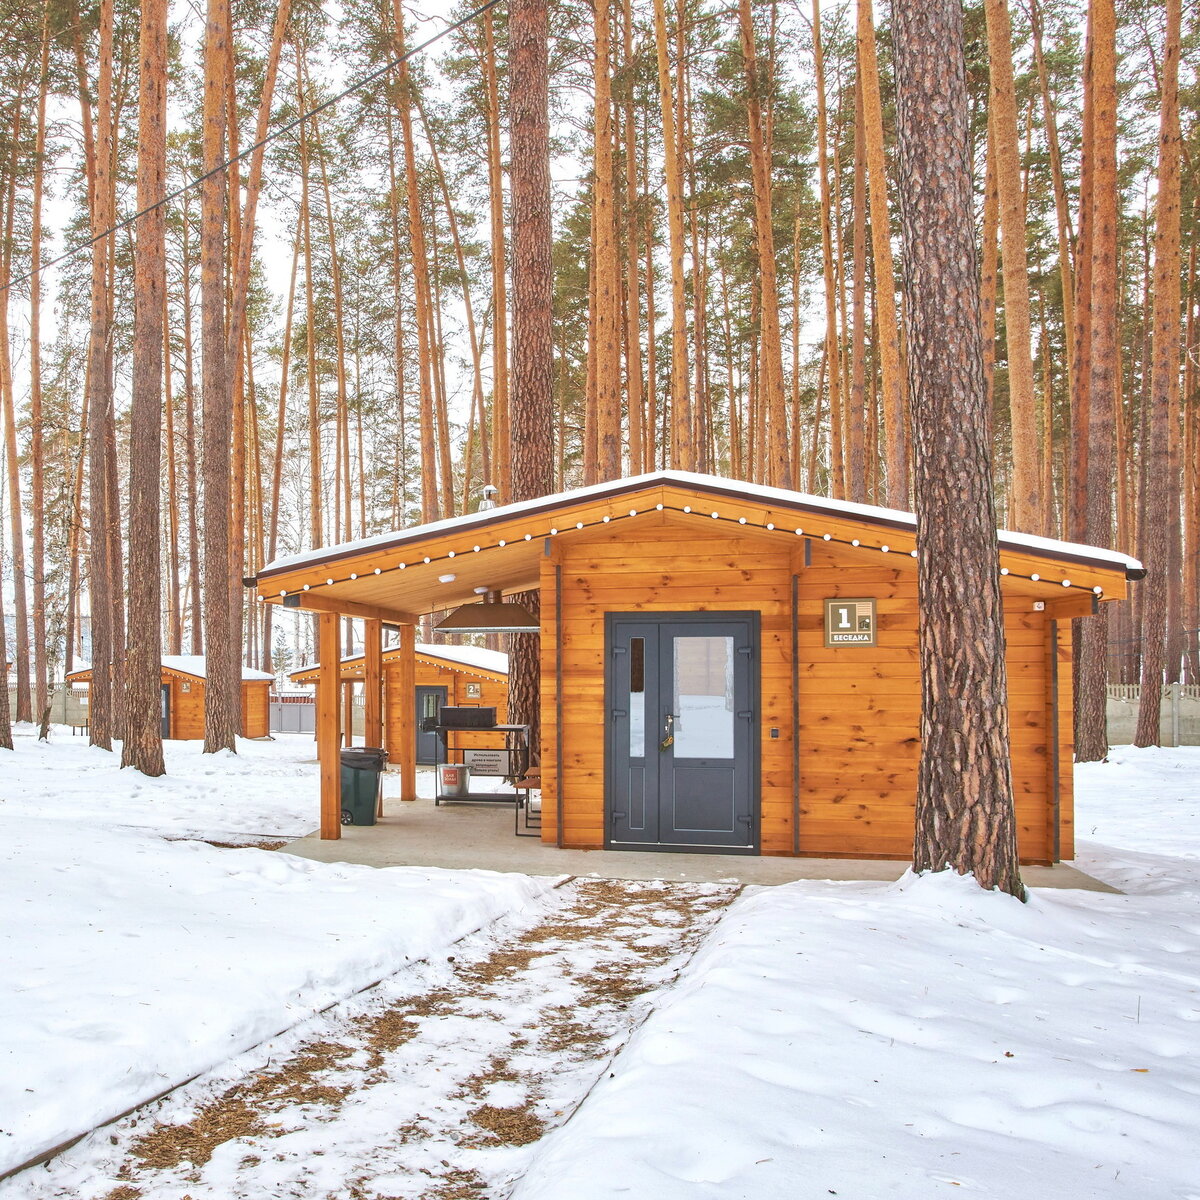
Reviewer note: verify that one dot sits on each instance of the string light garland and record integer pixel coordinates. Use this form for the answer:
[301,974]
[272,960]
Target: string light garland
[608,518]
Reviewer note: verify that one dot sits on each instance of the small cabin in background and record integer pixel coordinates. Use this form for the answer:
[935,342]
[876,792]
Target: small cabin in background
[183,684]
[463,676]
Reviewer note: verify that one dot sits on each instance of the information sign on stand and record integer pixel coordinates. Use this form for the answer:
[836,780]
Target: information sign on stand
[488,762]
[850,622]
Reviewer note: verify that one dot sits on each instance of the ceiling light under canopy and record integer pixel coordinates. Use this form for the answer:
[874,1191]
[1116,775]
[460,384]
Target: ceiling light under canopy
[489,615]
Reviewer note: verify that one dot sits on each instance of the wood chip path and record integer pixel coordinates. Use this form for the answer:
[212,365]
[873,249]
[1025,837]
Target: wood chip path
[436,1084]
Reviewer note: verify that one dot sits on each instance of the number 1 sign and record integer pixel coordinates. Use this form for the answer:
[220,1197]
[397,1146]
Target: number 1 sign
[850,622]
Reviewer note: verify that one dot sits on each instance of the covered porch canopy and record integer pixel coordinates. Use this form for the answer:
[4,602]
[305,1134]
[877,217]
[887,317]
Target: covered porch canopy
[396,578]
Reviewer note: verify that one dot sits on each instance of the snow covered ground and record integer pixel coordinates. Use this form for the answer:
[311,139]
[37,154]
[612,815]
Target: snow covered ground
[130,962]
[926,1039]
[910,1040]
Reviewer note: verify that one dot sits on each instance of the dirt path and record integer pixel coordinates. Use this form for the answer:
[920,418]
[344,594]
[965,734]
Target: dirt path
[434,1085]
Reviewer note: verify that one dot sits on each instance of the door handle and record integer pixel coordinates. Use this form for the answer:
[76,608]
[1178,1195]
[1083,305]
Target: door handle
[668,733]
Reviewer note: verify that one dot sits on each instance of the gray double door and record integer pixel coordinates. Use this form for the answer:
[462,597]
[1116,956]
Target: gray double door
[681,760]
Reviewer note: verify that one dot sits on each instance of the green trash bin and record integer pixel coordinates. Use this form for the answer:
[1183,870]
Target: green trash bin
[361,767]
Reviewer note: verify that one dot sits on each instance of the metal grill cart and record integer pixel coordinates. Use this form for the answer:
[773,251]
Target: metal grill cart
[507,760]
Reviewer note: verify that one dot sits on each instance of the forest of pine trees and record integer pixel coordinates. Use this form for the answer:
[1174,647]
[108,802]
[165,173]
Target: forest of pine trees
[317,343]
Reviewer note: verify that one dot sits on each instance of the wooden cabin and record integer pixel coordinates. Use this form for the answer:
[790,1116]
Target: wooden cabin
[725,667]
[467,676]
[183,680]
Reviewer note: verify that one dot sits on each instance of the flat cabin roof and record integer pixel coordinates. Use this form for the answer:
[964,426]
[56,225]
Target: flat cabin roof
[403,574]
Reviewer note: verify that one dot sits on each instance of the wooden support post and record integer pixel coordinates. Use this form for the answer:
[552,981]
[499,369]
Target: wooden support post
[373,683]
[328,727]
[405,723]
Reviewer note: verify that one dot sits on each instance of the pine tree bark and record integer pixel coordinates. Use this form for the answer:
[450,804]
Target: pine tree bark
[856,409]
[220,635]
[778,459]
[21,655]
[501,449]
[891,366]
[833,356]
[37,452]
[100,691]
[532,289]
[964,817]
[142,747]
[1162,490]
[430,508]
[682,449]
[605,349]
[1091,733]
[1025,492]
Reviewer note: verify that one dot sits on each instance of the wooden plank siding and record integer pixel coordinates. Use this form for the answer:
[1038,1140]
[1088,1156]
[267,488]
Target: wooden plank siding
[859,707]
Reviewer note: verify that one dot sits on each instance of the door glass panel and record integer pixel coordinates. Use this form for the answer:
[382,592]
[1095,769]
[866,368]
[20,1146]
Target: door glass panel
[430,701]
[704,717]
[637,697]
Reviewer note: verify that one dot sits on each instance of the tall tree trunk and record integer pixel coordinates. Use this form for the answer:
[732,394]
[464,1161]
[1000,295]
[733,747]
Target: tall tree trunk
[1091,734]
[833,357]
[500,404]
[891,367]
[683,451]
[532,292]
[220,634]
[143,669]
[37,453]
[1062,211]
[100,692]
[778,458]
[964,817]
[430,510]
[856,413]
[1162,491]
[15,509]
[1025,492]
[605,350]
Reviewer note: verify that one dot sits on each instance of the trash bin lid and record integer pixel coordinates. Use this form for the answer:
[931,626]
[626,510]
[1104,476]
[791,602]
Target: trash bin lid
[359,756]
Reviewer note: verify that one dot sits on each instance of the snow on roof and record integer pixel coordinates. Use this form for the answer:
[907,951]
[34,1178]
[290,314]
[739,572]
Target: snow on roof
[196,664]
[186,664]
[746,491]
[469,656]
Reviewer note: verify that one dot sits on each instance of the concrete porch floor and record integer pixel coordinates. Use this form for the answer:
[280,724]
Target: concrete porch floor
[462,836]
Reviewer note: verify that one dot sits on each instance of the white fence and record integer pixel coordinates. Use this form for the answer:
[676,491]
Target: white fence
[1178,714]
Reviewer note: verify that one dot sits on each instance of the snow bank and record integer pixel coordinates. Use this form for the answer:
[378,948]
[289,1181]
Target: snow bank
[266,789]
[131,964]
[925,1038]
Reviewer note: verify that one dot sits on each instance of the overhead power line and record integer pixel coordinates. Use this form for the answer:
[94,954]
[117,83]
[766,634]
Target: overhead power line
[287,127]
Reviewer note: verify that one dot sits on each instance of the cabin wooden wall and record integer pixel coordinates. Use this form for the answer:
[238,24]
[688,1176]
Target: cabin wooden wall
[187,708]
[659,565]
[256,708]
[859,707]
[429,674]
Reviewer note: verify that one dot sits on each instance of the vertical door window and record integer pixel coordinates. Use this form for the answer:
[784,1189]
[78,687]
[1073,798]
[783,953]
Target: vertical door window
[704,716]
[637,697]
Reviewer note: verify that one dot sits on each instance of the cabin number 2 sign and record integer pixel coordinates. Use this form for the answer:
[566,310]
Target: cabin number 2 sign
[850,622]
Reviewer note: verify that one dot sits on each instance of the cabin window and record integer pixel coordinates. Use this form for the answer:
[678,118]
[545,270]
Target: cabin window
[637,697]
[704,718]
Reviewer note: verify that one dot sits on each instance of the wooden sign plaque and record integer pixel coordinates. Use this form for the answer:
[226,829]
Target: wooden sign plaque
[850,622]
